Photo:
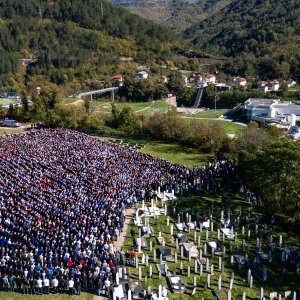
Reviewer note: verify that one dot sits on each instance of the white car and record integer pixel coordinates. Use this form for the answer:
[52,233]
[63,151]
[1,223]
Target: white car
[10,123]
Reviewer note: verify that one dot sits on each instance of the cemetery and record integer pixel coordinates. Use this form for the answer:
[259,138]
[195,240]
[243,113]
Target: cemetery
[194,251]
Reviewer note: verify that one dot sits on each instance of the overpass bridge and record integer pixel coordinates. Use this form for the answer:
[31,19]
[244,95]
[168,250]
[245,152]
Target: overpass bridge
[98,92]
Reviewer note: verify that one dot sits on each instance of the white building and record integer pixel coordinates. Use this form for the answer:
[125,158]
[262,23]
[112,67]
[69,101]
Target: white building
[141,75]
[272,110]
[239,81]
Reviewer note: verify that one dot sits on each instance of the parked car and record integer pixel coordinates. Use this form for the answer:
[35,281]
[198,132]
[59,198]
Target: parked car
[10,123]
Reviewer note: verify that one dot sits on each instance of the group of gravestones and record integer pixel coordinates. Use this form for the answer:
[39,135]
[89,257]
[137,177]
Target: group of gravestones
[239,240]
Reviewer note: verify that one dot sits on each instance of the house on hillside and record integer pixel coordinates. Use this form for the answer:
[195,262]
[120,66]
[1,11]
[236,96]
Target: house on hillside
[221,87]
[291,83]
[210,79]
[141,75]
[163,79]
[271,111]
[239,81]
[117,80]
[262,86]
[273,86]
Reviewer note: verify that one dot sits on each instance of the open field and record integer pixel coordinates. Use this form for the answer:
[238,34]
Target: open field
[210,113]
[10,130]
[7,101]
[174,153]
[207,204]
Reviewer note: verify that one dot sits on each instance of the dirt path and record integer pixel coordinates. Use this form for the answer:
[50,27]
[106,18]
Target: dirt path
[121,239]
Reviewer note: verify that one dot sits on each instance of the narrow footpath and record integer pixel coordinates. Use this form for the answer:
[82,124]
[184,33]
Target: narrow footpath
[118,244]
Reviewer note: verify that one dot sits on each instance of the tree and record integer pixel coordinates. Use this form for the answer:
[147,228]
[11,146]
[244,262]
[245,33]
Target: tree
[273,172]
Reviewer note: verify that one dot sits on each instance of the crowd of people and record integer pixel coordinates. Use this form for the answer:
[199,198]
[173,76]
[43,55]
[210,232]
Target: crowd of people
[63,196]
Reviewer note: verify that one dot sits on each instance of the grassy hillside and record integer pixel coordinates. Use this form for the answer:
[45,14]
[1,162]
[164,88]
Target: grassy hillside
[68,40]
[251,29]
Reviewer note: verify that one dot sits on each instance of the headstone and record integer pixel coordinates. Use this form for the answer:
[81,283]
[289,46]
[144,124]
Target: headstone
[212,269]
[140,273]
[208,280]
[211,226]
[150,246]
[161,258]
[243,230]
[175,257]
[224,251]
[188,270]
[190,256]
[244,296]
[212,253]
[159,291]
[154,255]
[150,271]
[149,290]
[218,234]
[199,240]
[231,260]
[117,278]
[195,235]
[229,295]
[261,297]
[220,263]
[223,236]
[181,267]
[201,270]
[206,235]
[207,265]
[178,218]
[159,274]
[181,252]
[223,267]
[243,244]
[195,266]
[177,244]
[231,284]
[251,282]
[280,241]
[165,213]
[146,278]
[147,260]
[219,283]
[195,281]
[136,262]
[249,234]
[205,249]
[230,246]
[143,259]
[129,295]
[168,220]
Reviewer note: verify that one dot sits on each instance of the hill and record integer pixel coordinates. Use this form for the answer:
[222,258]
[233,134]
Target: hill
[265,35]
[63,40]
[177,14]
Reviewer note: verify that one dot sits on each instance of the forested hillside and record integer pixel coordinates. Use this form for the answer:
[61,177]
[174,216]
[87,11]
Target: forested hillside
[177,14]
[75,38]
[264,34]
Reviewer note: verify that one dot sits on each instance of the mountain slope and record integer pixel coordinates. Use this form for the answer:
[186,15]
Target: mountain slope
[262,28]
[72,37]
[177,14]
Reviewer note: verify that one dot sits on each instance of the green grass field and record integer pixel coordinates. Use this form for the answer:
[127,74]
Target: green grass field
[210,113]
[174,153]
[7,101]
[17,296]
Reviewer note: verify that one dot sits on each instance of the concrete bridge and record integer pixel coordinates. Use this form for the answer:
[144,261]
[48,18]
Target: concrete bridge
[98,92]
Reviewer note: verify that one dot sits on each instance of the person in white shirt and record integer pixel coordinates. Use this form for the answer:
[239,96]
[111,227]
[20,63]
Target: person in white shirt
[39,284]
[46,285]
[55,285]
[71,286]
